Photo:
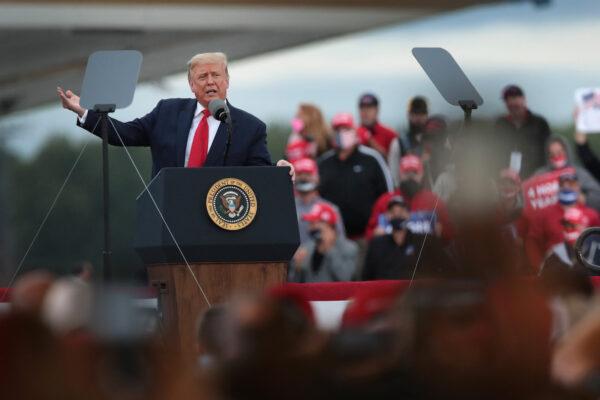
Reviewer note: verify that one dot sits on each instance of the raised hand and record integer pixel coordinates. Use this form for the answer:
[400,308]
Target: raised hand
[70,101]
[580,137]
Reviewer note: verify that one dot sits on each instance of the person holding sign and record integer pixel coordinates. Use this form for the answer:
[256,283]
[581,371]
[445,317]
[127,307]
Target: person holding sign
[416,196]
[546,230]
[401,253]
[558,158]
[588,158]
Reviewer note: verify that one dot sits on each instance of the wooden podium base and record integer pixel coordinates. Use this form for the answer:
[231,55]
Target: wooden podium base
[180,302]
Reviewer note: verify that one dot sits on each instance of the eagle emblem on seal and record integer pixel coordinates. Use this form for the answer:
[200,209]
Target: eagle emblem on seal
[232,202]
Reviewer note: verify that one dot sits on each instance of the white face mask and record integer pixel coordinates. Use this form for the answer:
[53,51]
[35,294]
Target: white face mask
[346,138]
[304,186]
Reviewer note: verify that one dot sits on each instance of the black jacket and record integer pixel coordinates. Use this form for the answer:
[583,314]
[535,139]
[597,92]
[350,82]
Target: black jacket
[589,159]
[530,139]
[386,260]
[354,185]
[165,129]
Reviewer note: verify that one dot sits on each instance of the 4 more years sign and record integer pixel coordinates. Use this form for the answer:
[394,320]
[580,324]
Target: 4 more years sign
[541,191]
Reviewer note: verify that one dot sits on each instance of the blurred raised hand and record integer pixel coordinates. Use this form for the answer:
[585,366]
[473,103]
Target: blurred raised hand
[70,101]
[580,137]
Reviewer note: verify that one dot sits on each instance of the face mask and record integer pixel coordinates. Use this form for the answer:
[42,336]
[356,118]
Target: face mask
[305,186]
[345,139]
[315,235]
[398,224]
[567,197]
[409,187]
[297,125]
[558,161]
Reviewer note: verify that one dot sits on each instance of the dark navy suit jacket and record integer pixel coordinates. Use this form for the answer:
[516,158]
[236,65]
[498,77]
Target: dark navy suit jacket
[165,129]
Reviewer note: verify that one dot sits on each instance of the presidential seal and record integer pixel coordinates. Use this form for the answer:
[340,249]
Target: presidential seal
[231,204]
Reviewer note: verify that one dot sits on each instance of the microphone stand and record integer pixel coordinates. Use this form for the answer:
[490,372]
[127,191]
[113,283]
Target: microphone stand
[229,130]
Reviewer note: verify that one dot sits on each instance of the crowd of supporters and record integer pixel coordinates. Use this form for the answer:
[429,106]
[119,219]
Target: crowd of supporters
[399,194]
[489,214]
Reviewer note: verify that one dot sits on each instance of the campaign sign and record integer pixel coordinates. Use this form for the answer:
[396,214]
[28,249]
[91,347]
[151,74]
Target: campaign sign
[419,222]
[588,107]
[541,191]
[422,222]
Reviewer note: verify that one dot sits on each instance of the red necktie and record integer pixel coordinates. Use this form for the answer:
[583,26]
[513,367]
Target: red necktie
[200,143]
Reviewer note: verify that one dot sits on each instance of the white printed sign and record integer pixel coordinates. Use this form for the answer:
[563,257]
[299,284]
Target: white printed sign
[587,101]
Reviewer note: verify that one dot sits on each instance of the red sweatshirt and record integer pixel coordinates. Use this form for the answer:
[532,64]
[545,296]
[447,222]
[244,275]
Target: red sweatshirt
[546,230]
[383,135]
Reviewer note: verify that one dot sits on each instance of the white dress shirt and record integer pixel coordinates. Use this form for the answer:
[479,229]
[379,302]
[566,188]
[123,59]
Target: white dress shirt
[213,126]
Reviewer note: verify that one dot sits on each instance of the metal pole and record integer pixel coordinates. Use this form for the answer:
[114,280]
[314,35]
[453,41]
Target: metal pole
[4,263]
[467,106]
[106,253]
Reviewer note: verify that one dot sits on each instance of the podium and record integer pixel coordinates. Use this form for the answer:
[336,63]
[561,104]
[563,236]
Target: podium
[236,227]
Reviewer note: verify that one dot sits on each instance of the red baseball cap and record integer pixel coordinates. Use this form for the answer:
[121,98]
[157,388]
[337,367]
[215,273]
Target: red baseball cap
[306,165]
[343,119]
[297,149]
[322,212]
[411,163]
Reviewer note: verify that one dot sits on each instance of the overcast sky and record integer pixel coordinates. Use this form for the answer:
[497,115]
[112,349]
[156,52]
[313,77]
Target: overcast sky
[549,51]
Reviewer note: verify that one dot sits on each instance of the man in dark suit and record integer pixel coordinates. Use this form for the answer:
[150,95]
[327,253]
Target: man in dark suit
[181,132]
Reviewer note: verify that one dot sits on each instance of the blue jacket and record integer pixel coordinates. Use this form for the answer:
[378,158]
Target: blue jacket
[165,129]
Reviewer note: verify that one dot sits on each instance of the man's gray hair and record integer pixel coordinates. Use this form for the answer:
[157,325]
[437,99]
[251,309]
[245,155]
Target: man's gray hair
[207,58]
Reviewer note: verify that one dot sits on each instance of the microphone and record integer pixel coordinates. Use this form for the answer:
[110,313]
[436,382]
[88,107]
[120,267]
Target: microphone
[219,110]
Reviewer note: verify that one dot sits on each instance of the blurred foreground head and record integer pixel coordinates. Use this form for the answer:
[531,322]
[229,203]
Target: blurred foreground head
[29,359]
[266,325]
[68,306]
[213,336]
[275,345]
[576,362]
[468,339]
[29,291]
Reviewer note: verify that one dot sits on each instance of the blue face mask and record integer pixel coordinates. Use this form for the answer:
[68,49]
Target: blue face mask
[567,197]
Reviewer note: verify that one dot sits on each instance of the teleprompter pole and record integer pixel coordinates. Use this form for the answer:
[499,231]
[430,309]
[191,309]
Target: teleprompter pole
[467,106]
[109,83]
[106,251]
